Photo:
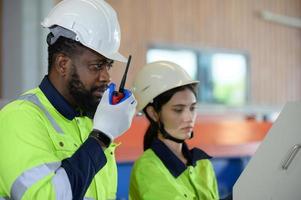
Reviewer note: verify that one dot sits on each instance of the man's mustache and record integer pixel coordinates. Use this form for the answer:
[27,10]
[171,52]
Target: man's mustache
[101,88]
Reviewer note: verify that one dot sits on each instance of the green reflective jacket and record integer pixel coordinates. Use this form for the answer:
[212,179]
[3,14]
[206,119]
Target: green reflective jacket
[158,174]
[29,139]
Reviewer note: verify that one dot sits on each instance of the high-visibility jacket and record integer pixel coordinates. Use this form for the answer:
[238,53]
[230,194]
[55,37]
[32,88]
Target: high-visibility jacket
[45,151]
[159,174]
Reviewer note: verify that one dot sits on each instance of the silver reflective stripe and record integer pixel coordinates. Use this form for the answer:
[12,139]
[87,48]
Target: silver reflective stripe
[4,198]
[62,185]
[88,198]
[34,99]
[60,180]
[30,177]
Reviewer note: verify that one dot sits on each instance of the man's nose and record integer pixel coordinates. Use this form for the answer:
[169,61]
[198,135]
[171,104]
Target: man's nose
[104,76]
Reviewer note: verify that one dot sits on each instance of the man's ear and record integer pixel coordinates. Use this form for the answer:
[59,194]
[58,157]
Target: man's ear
[62,63]
[152,113]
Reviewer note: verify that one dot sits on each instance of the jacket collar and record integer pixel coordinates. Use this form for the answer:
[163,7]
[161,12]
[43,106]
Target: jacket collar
[57,100]
[175,166]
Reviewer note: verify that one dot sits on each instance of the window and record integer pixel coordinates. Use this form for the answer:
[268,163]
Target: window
[185,58]
[223,75]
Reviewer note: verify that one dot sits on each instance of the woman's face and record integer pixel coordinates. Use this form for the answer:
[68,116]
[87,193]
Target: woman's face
[179,113]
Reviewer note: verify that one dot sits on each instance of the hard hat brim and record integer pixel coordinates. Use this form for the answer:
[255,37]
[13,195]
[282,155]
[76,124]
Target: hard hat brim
[117,57]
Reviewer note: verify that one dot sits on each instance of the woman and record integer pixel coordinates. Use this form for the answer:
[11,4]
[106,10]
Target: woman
[168,169]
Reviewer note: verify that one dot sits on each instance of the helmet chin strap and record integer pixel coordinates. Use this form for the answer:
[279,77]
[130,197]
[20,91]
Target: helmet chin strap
[166,135]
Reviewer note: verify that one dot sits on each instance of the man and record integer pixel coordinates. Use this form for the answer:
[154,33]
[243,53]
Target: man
[56,140]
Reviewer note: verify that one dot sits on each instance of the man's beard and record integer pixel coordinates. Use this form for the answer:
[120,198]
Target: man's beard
[84,98]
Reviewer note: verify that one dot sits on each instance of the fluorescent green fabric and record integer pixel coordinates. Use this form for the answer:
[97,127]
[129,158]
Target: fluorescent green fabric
[28,139]
[150,179]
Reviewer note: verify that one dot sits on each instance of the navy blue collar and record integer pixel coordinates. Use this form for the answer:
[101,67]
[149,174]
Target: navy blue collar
[57,100]
[175,166]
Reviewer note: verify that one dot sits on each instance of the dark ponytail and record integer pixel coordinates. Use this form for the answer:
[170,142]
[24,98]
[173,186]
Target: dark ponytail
[152,131]
[150,134]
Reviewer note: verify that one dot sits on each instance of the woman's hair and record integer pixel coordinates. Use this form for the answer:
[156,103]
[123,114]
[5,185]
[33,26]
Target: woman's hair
[153,129]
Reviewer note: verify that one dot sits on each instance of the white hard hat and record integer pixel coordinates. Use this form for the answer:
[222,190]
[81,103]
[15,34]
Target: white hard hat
[158,77]
[93,22]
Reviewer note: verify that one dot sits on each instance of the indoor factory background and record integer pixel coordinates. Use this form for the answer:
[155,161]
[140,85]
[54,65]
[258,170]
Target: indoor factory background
[245,53]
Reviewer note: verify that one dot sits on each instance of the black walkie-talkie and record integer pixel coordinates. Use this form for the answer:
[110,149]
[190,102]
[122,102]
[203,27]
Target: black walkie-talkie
[118,95]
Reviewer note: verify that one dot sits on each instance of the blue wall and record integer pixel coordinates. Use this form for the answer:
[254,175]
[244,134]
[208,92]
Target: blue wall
[227,171]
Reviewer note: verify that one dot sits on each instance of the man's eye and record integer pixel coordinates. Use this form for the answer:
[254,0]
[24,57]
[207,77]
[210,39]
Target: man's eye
[101,66]
[95,67]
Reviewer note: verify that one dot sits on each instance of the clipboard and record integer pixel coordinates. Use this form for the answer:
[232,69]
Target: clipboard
[274,172]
